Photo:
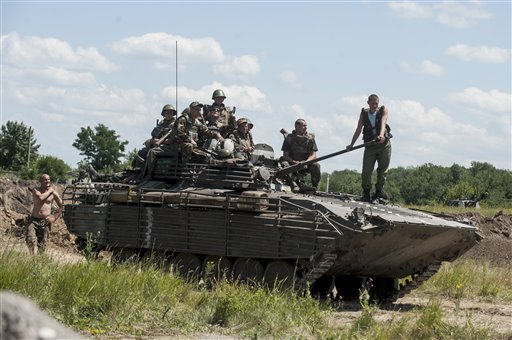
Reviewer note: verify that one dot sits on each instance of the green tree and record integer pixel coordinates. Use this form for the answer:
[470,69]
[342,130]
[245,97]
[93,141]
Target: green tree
[53,166]
[462,190]
[345,181]
[17,146]
[101,147]
[128,159]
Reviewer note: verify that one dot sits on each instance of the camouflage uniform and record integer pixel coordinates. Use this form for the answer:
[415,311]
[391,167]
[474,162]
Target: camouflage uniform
[226,119]
[227,115]
[166,146]
[38,231]
[242,142]
[189,129]
[149,152]
[300,148]
[220,127]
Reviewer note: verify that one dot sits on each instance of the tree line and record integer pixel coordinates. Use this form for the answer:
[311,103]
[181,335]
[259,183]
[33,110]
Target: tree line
[19,152]
[431,184]
[103,148]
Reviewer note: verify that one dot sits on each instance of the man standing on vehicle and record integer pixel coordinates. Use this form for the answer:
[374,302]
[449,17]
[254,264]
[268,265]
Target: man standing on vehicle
[373,122]
[41,218]
[300,146]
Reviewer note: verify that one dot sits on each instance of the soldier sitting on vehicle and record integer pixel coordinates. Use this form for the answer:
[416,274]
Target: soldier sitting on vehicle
[226,114]
[162,138]
[300,146]
[242,139]
[169,114]
[190,130]
[213,123]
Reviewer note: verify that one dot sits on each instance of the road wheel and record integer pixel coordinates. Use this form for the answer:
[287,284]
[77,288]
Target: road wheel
[348,287]
[187,265]
[247,270]
[216,267]
[279,274]
[383,289]
[156,258]
[322,286]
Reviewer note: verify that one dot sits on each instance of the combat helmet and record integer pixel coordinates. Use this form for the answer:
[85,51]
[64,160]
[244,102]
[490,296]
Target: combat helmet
[240,121]
[168,107]
[218,93]
[225,148]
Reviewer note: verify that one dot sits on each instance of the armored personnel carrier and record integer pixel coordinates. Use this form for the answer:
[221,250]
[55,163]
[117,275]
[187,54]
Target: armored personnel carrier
[242,219]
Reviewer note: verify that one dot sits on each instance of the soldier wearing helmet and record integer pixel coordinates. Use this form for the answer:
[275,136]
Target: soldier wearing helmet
[300,146]
[226,114]
[162,136]
[190,131]
[169,114]
[242,138]
[160,130]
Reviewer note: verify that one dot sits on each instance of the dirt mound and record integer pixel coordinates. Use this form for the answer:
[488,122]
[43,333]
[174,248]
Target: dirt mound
[496,246]
[16,205]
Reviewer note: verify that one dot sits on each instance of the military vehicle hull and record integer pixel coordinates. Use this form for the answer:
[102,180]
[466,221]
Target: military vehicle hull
[251,233]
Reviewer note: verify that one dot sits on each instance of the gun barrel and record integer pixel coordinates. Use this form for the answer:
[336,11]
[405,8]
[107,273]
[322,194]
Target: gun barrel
[303,165]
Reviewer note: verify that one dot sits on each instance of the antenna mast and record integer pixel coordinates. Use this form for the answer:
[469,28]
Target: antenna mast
[176,76]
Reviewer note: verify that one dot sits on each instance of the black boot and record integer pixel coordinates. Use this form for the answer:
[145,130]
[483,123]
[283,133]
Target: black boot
[376,197]
[366,195]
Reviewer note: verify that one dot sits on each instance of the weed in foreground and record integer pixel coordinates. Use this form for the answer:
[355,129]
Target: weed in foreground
[467,277]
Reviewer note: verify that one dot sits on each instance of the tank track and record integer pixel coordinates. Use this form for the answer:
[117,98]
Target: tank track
[321,263]
[415,281]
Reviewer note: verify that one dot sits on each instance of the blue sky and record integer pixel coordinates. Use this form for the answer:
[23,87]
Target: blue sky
[442,68]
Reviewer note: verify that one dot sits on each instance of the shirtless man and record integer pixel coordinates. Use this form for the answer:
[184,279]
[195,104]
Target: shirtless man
[38,229]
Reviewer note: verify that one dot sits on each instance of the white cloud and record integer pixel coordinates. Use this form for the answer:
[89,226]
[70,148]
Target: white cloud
[163,45]
[457,15]
[475,98]
[162,66]
[52,117]
[291,78]
[246,98]
[298,111]
[426,67]
[485,54]
[239,66]
[36,52]
[352,104]
[64,77]
[408,9]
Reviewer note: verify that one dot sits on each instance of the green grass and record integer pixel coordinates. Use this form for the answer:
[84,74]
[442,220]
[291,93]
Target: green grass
[139,299]
[471,278]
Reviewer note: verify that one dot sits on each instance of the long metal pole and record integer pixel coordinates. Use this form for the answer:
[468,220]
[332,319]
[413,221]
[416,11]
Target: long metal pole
[177,76]
[28,152]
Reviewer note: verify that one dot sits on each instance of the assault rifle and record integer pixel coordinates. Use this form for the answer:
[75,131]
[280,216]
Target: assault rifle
[303,165]
[164,137]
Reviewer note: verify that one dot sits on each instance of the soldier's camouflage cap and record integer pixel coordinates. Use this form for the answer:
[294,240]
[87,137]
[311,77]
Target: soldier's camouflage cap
[195,104]
[245,120]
